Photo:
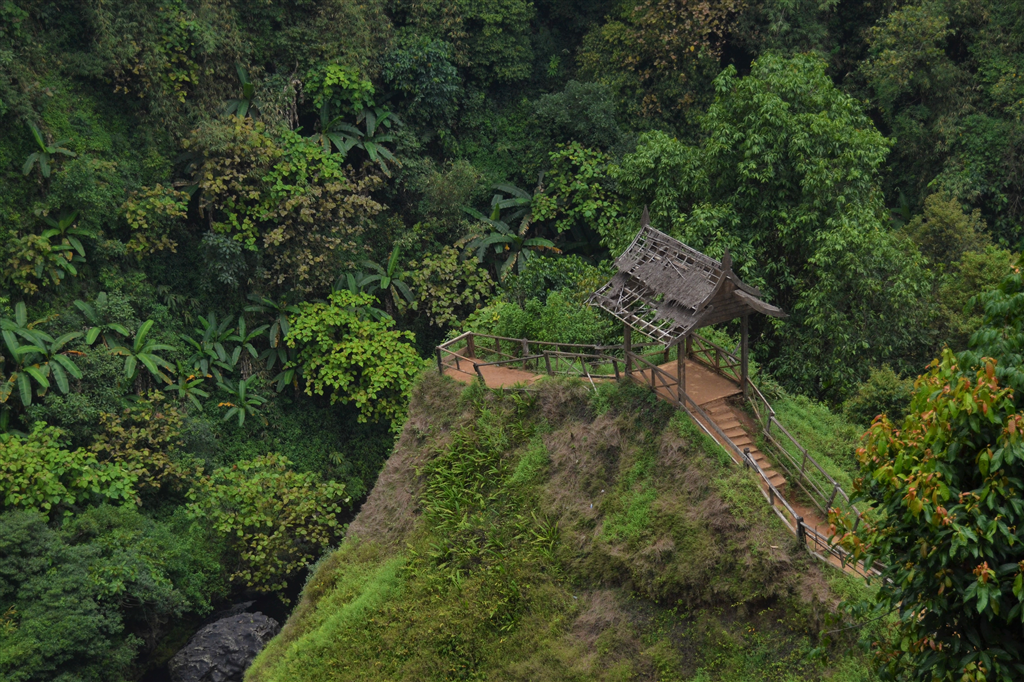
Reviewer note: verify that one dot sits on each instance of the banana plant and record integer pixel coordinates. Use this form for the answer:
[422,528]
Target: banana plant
[31,358]
[371,139]
[111,332]
[244,340]
[357,283]
[247,103]
[209,356]
[188,386]
[65,228]
[144,352]
[276,353]
[510,245]
[389,279]
[44,156]
[243,402]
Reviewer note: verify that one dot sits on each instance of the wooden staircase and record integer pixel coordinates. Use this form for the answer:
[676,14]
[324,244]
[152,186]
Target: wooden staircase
[725,416]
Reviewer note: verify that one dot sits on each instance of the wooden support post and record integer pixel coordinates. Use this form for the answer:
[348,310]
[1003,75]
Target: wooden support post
[615,366]
[835,489]
[526,352]
[801,532]
[547,361]
[497,347]
[440,363]
[744,353]
[471,346]
[689,345]
[627,346]
[681,369]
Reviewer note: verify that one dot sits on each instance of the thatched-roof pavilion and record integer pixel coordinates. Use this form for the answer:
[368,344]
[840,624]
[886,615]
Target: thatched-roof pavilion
[666,290]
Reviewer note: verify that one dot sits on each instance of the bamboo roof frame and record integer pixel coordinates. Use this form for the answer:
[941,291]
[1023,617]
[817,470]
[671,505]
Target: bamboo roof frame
[665,289]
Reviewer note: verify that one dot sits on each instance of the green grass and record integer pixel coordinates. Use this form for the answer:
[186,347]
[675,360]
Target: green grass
[678,571]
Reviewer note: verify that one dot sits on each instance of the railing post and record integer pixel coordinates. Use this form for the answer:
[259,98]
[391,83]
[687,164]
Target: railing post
[479,373]
[471,345]
[801,532]
[615,366]
[497,347]
[746,461]
[627,346]
[547,362]
[440,363]
[803,462]
[744,357]
[681,369]
[835,489]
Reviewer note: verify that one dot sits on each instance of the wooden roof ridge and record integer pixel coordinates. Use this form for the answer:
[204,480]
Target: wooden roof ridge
[665,289]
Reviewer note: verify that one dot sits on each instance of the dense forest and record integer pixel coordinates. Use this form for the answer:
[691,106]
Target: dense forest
[232,234]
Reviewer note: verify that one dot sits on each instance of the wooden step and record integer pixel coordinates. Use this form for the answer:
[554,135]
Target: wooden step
[776,479]
[734,431]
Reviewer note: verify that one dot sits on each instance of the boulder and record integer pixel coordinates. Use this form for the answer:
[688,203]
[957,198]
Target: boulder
[224,649]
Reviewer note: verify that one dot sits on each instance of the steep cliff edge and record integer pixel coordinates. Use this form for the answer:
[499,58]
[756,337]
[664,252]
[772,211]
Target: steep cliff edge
[562,535]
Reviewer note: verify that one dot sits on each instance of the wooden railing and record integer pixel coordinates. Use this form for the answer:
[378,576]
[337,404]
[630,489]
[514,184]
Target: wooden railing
[465,352]
[818,544]
[714,357]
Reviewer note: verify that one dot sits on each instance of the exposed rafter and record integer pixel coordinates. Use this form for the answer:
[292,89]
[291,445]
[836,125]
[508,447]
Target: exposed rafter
[664,289]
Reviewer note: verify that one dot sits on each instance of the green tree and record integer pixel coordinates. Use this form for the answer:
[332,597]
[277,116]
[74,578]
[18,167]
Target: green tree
[580,198]
[421,69]
[944,79]
[355,359]
[277,192]
[787,179]
[276,520]
[944,233]
[943,491]
[884,392]
[142,439]
[84,599]
[448,285]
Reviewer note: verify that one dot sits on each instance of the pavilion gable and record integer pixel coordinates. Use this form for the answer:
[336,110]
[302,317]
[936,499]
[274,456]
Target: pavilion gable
[665,289]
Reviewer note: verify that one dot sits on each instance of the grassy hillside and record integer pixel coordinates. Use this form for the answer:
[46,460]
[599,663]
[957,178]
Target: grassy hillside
[563,535]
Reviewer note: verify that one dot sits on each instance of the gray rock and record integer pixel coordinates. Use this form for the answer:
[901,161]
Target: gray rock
[223,650]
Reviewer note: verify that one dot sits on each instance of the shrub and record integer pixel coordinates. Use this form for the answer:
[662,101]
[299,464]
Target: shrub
[883,393]
[38,474]
[276,521]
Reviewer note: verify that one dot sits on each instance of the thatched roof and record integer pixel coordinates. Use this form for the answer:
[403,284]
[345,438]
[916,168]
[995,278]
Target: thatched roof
[665,289]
